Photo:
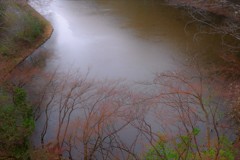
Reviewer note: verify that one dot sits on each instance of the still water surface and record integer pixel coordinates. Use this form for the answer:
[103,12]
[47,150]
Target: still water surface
[119,39]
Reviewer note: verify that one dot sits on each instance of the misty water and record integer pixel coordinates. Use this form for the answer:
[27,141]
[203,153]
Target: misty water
[120,39]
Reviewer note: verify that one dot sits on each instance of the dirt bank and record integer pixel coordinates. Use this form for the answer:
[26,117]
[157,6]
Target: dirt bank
[7,64]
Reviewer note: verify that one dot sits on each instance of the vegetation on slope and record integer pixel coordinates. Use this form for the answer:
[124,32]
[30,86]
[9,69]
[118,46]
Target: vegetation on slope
[16,125]
[21,31]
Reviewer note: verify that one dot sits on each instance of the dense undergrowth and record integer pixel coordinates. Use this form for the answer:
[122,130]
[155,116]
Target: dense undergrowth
[16,124]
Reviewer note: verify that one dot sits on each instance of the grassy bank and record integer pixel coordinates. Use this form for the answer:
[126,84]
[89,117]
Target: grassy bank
[22,30]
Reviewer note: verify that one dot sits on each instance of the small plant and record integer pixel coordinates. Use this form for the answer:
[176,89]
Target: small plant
[7,47]
[183,148]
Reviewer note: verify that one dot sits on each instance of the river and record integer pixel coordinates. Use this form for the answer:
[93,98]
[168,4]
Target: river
[129,40]
[119,39]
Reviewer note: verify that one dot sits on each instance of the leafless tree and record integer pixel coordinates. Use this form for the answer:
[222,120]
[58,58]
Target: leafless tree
[187,101]
[87,116]
[87,119]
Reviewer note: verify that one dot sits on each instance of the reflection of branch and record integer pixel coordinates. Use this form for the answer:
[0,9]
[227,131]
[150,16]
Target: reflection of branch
[90,116]
[228,28]
[193,99]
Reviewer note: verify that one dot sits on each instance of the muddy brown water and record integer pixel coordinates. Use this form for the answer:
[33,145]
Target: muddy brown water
[121,39]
